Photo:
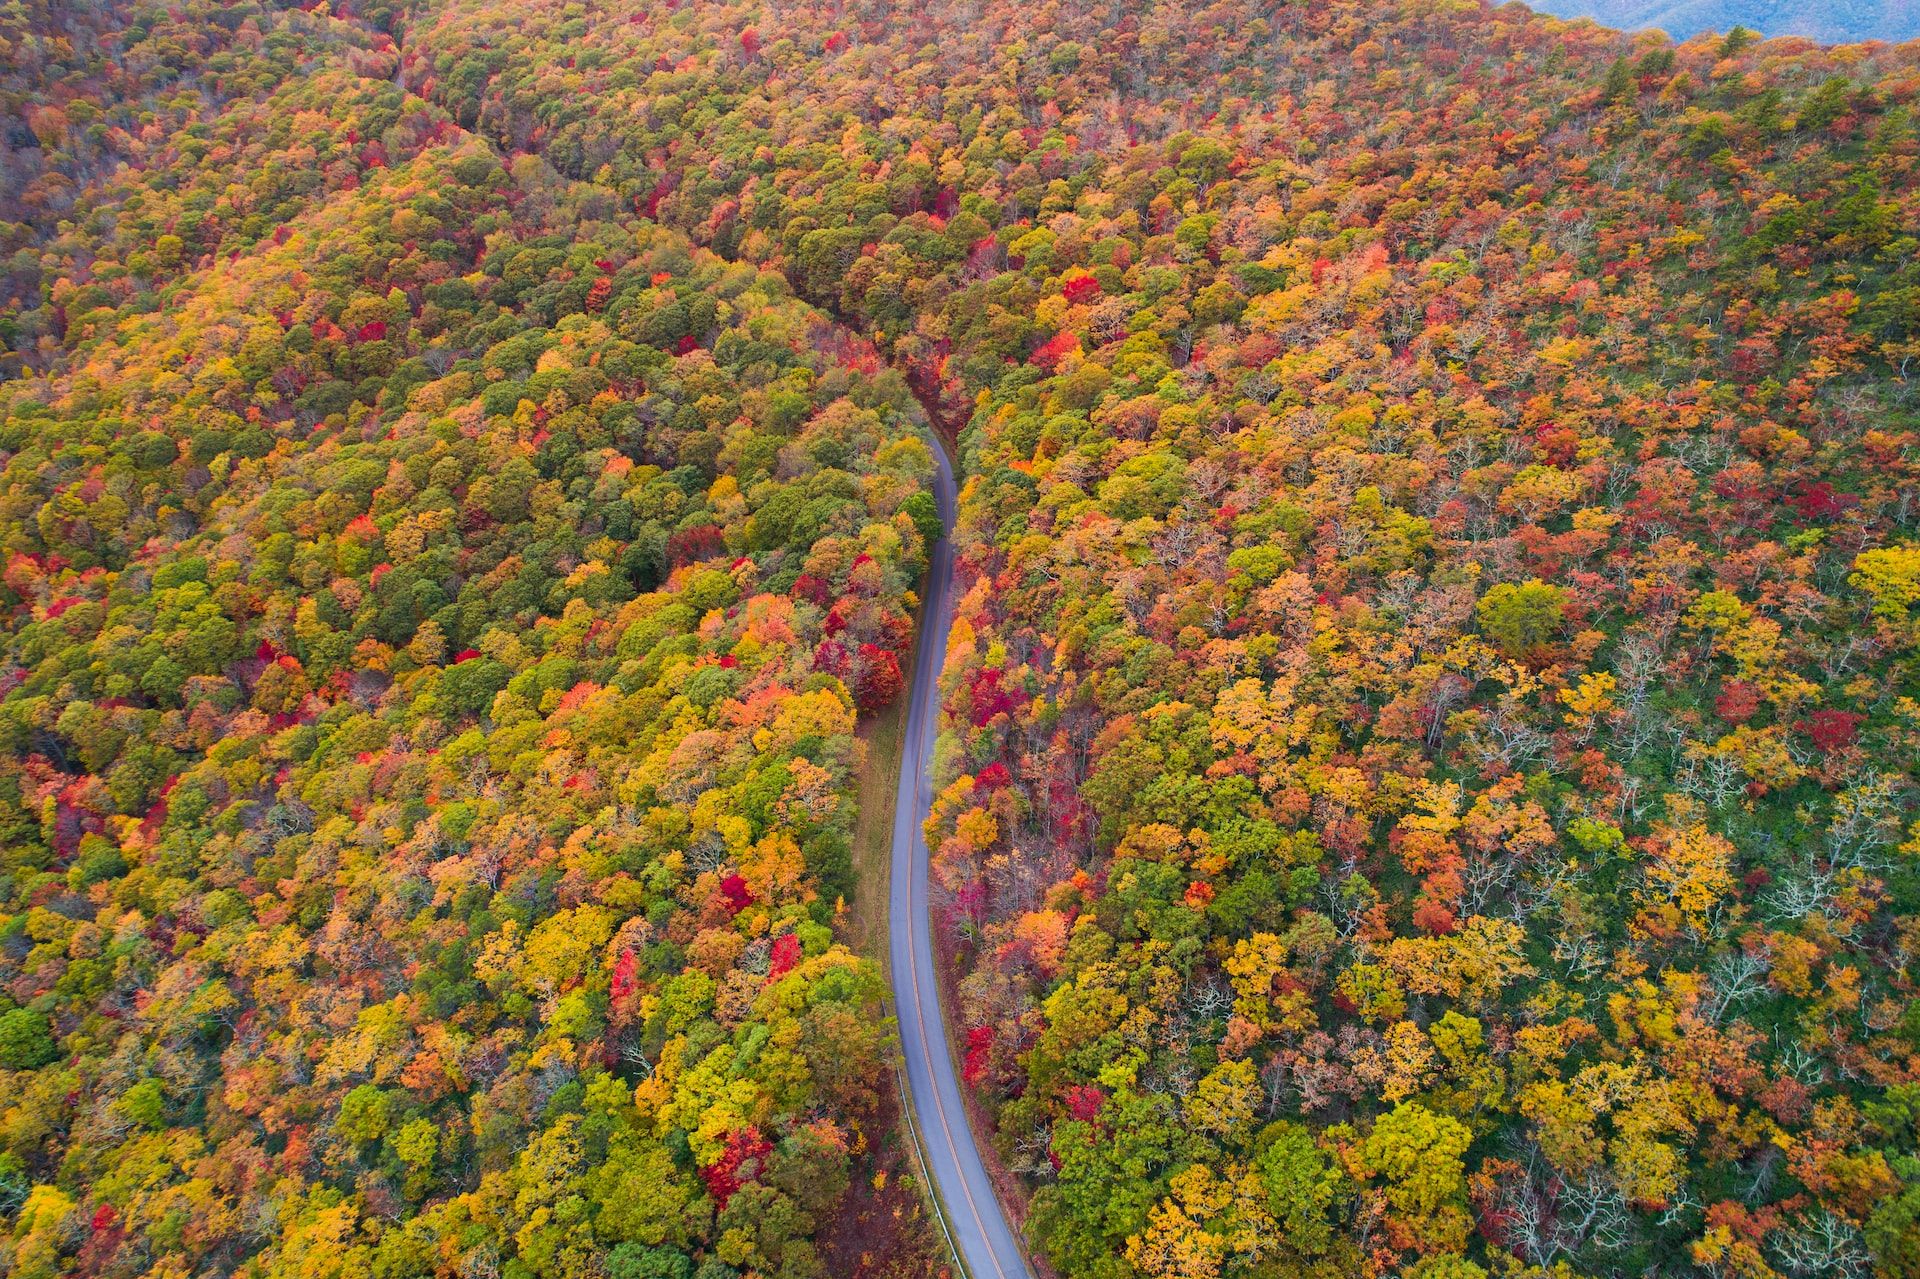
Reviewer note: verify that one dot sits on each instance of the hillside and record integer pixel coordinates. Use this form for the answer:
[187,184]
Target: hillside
[1427,772]
[440,609]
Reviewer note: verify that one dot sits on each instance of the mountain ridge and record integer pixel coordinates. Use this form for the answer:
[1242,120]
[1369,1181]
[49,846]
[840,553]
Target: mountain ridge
[1843,21]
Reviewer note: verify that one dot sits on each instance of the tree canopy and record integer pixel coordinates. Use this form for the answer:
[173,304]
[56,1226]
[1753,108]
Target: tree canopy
[1426,782]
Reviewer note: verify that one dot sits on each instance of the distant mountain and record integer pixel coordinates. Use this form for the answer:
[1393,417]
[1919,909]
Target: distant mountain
[1835,22]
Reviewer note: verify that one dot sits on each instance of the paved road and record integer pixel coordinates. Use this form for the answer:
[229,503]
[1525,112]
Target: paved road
[987,1241]
[988,1244]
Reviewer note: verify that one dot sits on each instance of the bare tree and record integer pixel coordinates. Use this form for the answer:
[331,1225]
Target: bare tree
[1733,980]
[1824,1245]
[1551,1217]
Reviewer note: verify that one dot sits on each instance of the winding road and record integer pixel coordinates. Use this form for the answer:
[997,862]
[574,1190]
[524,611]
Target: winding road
[985,1241]
[988,1245]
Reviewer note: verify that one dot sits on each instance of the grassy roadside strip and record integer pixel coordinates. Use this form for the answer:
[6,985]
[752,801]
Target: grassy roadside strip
[866,920]
[884,736]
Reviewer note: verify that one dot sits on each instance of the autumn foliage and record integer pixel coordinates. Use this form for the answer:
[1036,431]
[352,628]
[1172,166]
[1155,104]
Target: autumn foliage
[1429,727]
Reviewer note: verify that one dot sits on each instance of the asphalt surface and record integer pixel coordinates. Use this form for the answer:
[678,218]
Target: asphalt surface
[987,1242]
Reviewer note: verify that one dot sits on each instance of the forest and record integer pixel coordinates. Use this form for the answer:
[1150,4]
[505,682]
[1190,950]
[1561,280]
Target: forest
[1427,774]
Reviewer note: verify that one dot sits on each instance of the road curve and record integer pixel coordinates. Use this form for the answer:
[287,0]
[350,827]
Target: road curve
[988,1244]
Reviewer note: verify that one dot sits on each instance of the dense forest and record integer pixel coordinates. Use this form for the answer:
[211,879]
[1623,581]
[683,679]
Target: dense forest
[439,607]
[1428,769]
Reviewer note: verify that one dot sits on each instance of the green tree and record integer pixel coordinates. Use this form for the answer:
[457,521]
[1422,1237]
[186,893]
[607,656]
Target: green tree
[1522,619]
[1302,1186]
[1417,1155]
[364,1114]
[26,1040]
